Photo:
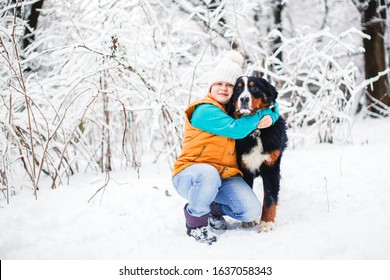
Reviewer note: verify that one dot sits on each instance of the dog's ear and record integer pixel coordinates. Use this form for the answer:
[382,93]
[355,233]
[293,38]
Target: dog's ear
[236,87]
[270,89]
[274,92]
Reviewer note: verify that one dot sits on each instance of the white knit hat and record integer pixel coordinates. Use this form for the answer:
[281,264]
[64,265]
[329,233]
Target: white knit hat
[228,70]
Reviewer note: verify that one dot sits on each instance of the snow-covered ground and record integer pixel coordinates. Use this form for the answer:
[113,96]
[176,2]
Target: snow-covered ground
[334,204]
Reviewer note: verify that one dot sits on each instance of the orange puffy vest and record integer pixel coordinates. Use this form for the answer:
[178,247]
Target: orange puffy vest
[203,147]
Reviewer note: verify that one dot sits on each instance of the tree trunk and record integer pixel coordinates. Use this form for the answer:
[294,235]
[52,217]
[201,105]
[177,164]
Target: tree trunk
[32,24]
[278,8]
[374,56]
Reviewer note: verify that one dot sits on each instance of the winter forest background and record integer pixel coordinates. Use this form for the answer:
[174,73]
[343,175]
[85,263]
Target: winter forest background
[96,85]
[101,85]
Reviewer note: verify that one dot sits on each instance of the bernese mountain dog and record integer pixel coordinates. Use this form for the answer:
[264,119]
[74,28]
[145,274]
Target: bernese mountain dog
[260,153]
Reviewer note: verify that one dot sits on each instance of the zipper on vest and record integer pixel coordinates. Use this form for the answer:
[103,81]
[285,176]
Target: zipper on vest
[204,147]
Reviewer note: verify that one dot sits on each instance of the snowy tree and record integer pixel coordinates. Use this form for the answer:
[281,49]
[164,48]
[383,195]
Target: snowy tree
[374,24]
[101,85]
[32,22]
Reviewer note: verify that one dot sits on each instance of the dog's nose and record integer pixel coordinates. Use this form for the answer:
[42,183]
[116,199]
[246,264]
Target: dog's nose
[244,99]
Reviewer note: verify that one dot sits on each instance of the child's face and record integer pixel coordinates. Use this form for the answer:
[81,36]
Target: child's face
[222,92]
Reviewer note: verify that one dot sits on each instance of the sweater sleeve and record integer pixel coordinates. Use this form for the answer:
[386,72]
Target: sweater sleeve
[212,119]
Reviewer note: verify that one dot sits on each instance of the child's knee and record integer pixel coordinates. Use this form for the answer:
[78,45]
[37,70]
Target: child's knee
[208,174]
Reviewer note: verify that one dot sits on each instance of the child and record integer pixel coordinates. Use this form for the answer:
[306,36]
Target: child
[206,172]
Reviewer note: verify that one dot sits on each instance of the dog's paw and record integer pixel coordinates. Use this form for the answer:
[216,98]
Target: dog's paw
[265,226]
[249,224]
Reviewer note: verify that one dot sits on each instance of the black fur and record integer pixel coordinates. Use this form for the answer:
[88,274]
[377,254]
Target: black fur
[261,94]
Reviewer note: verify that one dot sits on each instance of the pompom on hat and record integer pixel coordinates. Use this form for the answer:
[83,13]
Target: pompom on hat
[228,69]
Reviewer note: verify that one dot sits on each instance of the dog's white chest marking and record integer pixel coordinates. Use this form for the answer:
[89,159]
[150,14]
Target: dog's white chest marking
[255,157]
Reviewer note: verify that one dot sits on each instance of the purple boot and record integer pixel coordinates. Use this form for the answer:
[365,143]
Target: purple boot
[197,228]
[216,219]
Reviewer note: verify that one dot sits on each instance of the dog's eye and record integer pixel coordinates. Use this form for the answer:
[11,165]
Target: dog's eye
[254,89]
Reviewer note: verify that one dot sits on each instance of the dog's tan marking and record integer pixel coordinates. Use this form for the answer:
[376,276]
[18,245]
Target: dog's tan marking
[251,84]
[269,213]
[237,114]
[267,220]
[257,104]
[273,157]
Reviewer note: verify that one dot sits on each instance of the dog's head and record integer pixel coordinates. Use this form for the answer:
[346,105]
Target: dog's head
[251,94]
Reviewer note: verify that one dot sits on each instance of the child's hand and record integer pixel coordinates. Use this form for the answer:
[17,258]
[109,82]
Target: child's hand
[265,122]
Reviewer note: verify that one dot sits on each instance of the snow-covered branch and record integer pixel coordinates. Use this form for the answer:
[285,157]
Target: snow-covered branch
[105,83]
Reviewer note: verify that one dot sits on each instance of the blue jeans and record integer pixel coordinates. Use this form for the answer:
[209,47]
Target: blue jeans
[201,185]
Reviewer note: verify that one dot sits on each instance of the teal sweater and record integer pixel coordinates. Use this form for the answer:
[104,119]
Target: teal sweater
[212,119]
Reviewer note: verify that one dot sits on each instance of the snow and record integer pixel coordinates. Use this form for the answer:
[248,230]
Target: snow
[334,205]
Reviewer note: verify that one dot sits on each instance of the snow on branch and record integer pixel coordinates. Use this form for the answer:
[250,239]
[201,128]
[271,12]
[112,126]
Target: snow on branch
[317,82]
[105,83]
